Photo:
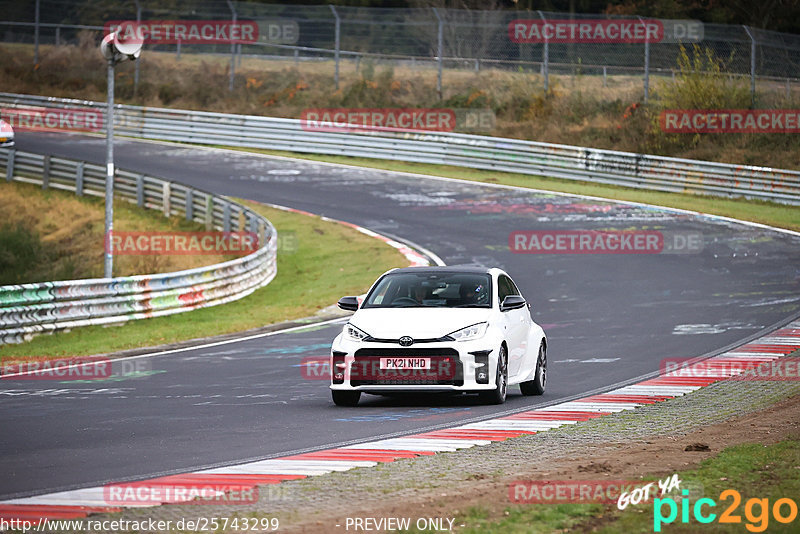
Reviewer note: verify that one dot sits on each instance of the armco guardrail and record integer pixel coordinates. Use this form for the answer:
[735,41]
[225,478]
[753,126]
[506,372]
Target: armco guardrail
[473,151]
[28,309]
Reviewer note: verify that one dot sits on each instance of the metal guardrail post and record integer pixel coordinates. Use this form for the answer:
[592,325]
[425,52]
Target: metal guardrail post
[189,208]
[79,179]
[140,190]
[46,173]
[336,45]
[439,51]
[166,201]
[10,165]
[545,57]
[209,212]
[752,66]
[226,218]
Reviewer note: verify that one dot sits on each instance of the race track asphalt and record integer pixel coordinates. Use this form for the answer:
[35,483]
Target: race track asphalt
[609,318]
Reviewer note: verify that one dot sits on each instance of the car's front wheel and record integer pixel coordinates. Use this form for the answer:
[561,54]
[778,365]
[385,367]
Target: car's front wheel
[536,386]
[345,398]
[498,394]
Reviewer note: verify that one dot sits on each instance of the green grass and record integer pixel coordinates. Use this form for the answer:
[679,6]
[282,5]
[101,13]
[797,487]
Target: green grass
[54,235]
[756,471]
[770,213]
[330,260]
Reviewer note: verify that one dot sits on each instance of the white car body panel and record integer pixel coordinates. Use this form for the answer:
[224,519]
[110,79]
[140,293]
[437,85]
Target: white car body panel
[6,135]
[514,328]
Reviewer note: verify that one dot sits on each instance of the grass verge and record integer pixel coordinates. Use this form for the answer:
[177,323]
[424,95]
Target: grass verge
[329,260]
[762,472]
[770,213]
[54,235]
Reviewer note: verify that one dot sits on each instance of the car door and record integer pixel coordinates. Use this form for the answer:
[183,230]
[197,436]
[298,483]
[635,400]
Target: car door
[516,324]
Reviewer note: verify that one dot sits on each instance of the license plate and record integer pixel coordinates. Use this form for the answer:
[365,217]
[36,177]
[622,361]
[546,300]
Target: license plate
[405,363]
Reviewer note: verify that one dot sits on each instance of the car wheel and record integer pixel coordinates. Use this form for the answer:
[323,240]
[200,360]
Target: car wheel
[536,386]
[498,394]
[345,398]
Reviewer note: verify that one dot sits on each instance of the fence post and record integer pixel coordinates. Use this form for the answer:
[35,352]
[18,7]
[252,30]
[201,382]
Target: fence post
[209,212]
[439,50]
[178,50]
[58,35]
[36,35]
[646,61]
[226,217]
[545,57]
[233,48]
[140,190]
[605,76]
[336,45]
[189,207]
[46,172]
[10,165]
[752,66]
[79,179]
[166,198]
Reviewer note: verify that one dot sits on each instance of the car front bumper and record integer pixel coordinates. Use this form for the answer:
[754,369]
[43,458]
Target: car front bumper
[455,366]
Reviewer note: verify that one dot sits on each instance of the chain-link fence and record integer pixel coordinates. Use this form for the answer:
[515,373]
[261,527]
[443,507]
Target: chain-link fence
[438,38]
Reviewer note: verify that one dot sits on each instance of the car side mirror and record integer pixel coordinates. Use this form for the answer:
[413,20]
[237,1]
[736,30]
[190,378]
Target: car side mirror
[512,302]
[348,303]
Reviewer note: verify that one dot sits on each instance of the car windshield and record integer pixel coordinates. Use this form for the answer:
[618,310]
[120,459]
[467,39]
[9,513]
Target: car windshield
[434,290]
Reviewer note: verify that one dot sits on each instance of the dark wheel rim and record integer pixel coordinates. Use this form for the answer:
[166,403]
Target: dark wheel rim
[542,364]
[502,372]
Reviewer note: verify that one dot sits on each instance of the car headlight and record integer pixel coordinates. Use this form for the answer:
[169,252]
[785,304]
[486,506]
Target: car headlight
[469,333]
[352,333]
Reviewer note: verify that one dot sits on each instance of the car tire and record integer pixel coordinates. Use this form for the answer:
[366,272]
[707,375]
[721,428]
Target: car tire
[537,385]
[498,394]
[345,398]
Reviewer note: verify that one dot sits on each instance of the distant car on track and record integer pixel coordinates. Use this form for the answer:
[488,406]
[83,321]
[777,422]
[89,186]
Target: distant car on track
[6,135]
[429,329]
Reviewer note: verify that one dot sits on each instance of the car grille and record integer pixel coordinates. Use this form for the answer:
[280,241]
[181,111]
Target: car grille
[445,369]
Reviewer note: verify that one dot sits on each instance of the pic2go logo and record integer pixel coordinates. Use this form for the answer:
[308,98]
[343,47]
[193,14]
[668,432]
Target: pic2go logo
[756,511]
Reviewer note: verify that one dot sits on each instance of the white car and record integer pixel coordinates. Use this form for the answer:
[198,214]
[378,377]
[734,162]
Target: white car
[6,135]
[429,329]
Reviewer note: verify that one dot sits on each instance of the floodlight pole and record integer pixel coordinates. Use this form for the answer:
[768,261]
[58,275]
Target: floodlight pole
[109,225]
